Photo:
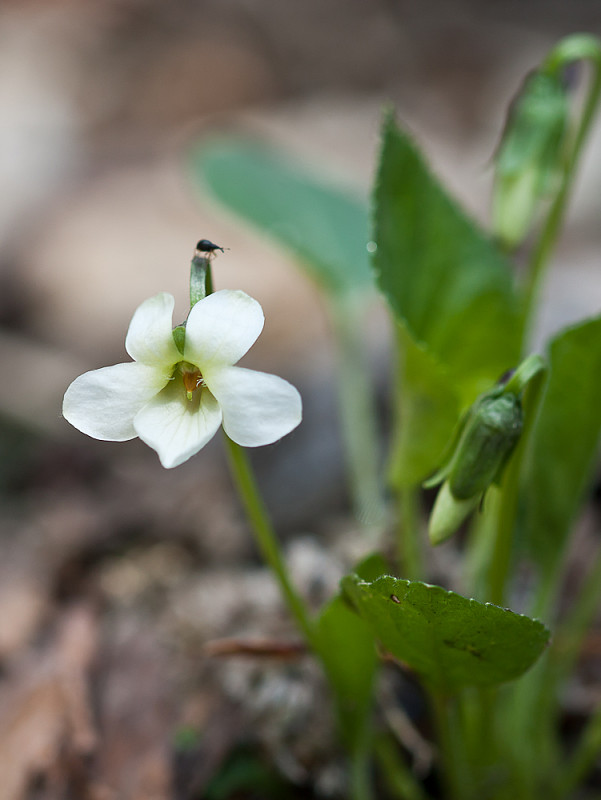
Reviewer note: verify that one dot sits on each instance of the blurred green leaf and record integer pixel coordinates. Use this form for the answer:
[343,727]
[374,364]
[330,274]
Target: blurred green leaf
[325,227]
[564,441]
[440,273]
[448,640]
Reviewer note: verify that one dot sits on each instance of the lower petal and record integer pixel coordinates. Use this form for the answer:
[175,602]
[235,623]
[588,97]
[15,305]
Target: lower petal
[257,408]
[103,403]
[176,427]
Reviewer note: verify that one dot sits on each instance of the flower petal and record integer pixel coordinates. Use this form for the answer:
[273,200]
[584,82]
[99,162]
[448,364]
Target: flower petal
[177,427]
[103,403]
[257,408]
[150,338]
[221,328]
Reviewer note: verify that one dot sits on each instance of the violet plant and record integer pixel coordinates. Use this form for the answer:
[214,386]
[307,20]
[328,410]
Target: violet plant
[511,439]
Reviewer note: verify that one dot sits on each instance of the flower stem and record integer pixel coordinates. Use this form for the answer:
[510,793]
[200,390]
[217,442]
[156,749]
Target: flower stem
[452,764]
[398,776]
[506,501]
[266,538]
[584,757]
[574,48]
[573,629]
[360,779]
[503,546]
[408,535]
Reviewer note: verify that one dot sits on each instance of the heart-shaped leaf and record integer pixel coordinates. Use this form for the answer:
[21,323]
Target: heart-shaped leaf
[442,276]
[449,640]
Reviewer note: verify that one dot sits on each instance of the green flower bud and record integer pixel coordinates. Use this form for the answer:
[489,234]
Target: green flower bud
[529,158]
[490,435]
[448,514]
[480,449]
[485,444]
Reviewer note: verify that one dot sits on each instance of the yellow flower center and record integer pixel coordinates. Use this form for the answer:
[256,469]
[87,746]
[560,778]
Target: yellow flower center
[192,378]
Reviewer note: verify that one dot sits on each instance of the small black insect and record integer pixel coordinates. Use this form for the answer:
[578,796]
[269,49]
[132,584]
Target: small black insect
[206,246]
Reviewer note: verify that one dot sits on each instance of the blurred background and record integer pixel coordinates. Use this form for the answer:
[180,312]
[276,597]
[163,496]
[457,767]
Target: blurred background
[115,573]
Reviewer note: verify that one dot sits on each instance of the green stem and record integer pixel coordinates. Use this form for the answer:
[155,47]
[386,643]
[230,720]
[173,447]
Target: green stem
[358,415]
[478,714]
[399,779]
[360,778]
[584,757]
[491,545]
[527,734]
[452,757]
[409,553]
[266,538]
[573,629]
[408,518]
[506,506]
[538,699]
[503,543]
[573,48]
[479,548]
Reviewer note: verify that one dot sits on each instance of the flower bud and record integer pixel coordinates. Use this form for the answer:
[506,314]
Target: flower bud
[448,514]
[481,447]
[529,158]
[490,434]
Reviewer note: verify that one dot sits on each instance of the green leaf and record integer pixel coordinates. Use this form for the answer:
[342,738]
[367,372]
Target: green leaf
[565,441]
[428,412]
[450,641]
[349,657]
[440,273]
[325,227]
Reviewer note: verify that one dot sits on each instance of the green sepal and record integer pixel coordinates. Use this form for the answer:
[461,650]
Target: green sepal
[441,474]
[179,337]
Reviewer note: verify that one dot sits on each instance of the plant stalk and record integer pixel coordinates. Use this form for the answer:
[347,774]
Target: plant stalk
[409,554]
[266,539]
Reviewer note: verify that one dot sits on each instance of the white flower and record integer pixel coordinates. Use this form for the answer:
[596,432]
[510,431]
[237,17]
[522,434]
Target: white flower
[175,403]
